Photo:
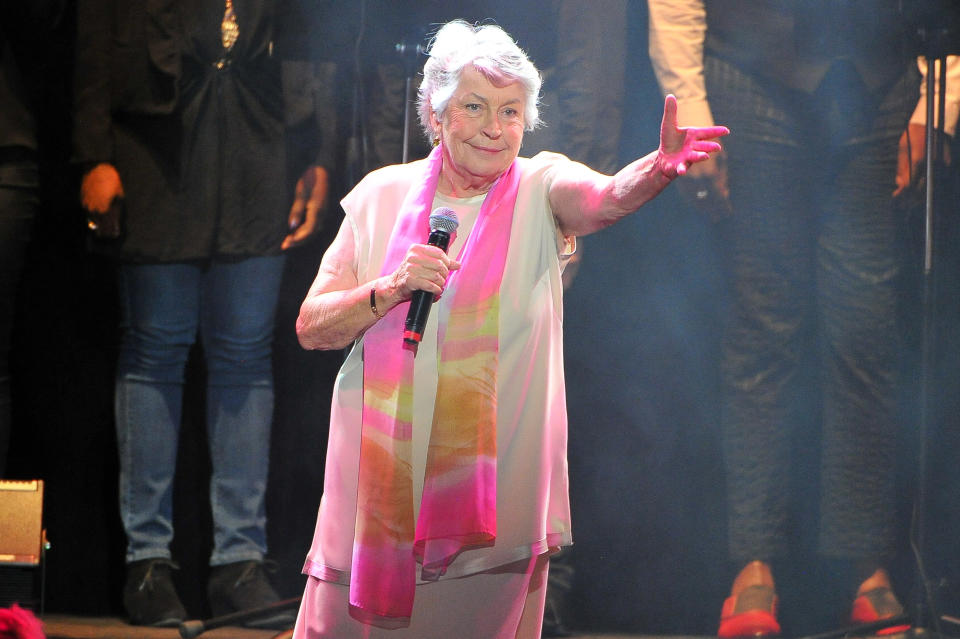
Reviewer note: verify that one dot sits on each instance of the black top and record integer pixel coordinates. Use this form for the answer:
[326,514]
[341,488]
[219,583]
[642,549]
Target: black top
[196,133]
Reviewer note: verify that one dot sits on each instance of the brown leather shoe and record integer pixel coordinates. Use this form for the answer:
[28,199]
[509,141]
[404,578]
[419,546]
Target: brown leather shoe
[244,586]
[149,596]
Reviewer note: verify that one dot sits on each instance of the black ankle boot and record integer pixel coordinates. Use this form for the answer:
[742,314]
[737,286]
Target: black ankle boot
[244,586]
[149,596]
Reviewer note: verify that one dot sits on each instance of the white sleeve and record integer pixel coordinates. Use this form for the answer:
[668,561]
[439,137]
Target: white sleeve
[952,105]
[677,32]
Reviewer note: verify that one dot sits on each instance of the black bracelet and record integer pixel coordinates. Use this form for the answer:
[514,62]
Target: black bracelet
[373,304]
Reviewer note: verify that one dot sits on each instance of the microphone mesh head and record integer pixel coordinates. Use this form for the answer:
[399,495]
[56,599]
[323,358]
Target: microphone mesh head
[444,219]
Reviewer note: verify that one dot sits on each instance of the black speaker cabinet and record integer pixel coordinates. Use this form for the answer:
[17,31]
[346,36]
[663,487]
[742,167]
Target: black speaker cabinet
[22,544]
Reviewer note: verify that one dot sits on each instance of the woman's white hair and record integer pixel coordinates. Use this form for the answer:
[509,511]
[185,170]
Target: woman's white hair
[491,51]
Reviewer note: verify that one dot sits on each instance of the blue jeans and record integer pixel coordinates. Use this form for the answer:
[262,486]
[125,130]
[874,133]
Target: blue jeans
[164,307]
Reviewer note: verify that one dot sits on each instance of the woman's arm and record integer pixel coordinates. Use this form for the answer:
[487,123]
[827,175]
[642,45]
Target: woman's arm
[585,201]
[337,309]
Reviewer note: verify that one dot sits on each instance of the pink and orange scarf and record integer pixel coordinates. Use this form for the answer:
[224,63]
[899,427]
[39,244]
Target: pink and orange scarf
[458,506]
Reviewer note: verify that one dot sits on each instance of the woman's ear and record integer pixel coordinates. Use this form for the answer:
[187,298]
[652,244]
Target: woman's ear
[436,126]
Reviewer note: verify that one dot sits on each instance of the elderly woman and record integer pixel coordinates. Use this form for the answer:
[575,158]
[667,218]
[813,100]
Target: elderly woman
[446,479]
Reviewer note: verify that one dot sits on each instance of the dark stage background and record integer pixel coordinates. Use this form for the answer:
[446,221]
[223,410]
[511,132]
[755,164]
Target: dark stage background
[642,320]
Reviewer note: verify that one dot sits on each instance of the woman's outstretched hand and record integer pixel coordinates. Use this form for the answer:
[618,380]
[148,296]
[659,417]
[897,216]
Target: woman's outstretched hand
[681,147]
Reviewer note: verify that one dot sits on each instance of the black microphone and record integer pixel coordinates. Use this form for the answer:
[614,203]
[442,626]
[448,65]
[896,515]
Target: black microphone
[443,222]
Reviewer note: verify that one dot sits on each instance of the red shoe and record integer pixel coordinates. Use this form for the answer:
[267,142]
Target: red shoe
[753,613]
[876,605]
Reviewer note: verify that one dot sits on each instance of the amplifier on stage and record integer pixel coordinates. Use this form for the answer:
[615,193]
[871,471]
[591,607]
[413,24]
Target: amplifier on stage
[22,544]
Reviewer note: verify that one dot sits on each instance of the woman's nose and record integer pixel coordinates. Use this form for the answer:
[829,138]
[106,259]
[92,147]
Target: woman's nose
[492,128]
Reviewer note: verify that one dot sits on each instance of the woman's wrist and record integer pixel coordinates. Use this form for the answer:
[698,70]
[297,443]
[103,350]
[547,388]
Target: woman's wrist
[378,310]
[381,296]
[664,169]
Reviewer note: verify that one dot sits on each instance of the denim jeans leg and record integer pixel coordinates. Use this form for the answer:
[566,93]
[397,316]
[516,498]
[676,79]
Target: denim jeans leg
[159,306]
[237,324]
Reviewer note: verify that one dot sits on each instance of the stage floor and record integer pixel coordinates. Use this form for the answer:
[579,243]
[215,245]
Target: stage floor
[77,627]
[73,627]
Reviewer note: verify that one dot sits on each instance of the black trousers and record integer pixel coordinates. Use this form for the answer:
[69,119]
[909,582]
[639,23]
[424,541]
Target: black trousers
[18,205]
[813,262]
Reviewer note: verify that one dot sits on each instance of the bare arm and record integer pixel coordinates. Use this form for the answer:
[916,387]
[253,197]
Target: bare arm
[585,201]
[337,308]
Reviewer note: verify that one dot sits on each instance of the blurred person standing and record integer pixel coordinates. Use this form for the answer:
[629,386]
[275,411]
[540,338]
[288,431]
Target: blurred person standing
[181,109]
[805,197]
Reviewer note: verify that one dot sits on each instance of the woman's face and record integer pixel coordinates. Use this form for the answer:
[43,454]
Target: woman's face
[481,129]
